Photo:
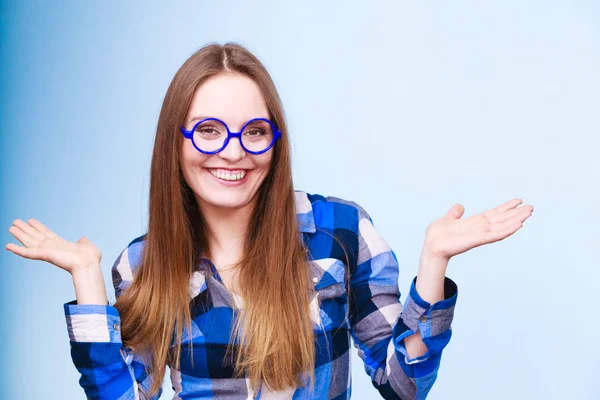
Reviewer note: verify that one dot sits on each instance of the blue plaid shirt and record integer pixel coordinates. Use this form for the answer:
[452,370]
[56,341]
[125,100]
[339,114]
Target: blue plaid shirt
[369,312]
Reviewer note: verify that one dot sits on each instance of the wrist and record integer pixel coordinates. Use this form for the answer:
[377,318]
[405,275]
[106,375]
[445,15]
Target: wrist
[431,261]
[87,269]
[89,285]
[431,276]
[431,252]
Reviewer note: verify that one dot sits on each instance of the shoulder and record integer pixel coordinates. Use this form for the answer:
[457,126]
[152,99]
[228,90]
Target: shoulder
[319,201]
[127,262]
[330,211]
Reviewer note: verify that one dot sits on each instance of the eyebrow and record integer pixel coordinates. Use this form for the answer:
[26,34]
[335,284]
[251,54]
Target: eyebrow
[200,117]
[197,118]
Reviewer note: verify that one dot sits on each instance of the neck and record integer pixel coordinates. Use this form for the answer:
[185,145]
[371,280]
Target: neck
[226,231]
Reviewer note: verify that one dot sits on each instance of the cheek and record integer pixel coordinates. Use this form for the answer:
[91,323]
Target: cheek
[191,160]
[264,161]
[190,156]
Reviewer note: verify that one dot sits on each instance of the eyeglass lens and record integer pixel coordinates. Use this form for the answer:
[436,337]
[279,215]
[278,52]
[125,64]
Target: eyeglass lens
[211,135]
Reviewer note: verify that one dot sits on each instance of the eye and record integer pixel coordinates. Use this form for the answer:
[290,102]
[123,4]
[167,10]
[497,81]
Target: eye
[207,129]
[255,132]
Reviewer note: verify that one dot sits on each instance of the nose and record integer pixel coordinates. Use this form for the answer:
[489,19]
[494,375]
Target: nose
[233,152]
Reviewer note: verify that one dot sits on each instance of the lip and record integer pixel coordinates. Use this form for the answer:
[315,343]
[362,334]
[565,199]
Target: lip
[229,183]
[228,169]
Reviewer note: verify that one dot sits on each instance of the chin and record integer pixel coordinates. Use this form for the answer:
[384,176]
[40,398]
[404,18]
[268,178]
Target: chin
[232,202]
[231,198]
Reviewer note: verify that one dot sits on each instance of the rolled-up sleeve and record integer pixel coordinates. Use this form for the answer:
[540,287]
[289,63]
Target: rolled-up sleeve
[96,351]
[108,369]
[380,322]
[433,323]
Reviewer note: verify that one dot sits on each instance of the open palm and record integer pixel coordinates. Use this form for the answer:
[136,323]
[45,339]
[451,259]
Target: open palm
[451,235]
[40,243]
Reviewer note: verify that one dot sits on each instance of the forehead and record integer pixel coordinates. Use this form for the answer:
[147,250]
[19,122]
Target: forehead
[231,97]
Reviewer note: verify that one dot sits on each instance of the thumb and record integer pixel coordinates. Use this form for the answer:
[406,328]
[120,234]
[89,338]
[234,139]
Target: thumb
[456,211]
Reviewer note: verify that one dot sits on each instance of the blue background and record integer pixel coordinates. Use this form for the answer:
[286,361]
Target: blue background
[406,108]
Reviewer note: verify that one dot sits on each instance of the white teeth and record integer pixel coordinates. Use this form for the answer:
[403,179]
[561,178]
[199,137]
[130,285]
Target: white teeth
[228,176]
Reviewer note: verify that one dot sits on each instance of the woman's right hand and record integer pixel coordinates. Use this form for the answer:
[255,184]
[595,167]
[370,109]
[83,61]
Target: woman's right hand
[40,243]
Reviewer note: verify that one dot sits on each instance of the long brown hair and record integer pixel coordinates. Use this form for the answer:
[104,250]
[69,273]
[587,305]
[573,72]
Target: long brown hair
[275,324]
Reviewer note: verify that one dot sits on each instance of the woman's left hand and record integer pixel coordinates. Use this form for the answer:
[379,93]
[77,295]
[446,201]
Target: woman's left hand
[450,235]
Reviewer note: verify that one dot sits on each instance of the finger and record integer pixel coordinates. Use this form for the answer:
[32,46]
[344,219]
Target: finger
[42,228]
[30,230]
[456,211]
[516,221]
[529,214]
[503,207]
[523,212]
[33,253]
[502,231]
[527,211]
[22,237]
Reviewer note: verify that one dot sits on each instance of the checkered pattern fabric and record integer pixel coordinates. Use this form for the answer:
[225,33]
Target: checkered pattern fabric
[356,300]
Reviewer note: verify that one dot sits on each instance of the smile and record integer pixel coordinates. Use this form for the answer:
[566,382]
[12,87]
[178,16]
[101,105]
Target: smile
[228,175]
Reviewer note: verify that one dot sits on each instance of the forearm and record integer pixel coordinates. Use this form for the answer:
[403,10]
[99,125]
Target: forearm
[89,285]
[430,285]
[108,368]
[430,276]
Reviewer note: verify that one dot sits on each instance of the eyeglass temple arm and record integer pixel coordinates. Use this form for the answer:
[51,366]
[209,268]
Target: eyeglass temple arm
[186,133]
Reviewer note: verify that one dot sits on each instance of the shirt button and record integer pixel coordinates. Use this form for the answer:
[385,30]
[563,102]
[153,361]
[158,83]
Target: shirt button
[116,326]
[423,318]
[315,279]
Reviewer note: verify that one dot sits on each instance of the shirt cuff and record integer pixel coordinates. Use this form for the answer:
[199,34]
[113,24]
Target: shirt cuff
[433,321]
[92,322]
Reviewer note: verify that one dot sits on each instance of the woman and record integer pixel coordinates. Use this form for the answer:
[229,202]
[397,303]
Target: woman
[234,255]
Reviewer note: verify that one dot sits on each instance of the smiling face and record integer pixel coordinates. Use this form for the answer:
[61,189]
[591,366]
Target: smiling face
[232,177]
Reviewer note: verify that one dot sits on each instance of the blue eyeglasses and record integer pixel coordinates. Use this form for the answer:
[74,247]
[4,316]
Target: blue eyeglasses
[211,135]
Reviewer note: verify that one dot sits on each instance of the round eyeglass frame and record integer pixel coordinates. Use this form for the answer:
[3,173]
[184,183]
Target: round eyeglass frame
[190,135]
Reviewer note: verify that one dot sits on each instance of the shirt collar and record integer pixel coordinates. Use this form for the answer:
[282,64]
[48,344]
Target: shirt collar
[304,213]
